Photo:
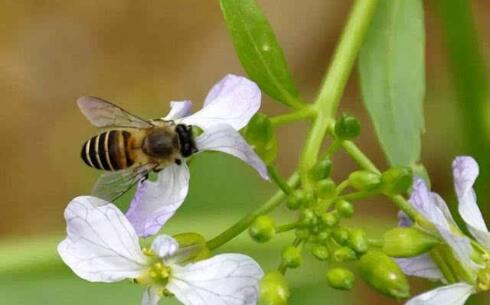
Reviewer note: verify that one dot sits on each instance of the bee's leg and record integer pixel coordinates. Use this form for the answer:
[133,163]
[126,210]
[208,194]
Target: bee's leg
[145,177]
[178,161]
[157,170]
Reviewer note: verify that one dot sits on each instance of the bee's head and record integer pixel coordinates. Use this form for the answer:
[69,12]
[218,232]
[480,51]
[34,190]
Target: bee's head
[160,143]
[186,138]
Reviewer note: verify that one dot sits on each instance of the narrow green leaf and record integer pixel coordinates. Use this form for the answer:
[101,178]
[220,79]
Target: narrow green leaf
[391,65]
[258,50]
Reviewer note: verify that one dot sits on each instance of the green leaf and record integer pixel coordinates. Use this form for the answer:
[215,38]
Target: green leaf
[391,65]
[258,50]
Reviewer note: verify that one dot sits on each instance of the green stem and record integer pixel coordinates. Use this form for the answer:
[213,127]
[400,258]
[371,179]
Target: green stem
[286,227]
[357,195]
[245,222]
[306,112]
[278,180]
[334,83]
[358,156]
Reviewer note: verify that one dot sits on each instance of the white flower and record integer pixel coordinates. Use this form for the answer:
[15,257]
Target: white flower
[102,246]
[433,207]
[229,106]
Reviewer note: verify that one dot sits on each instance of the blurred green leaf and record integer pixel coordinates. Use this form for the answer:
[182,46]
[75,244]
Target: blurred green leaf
[393,78]
[470,77]
[258,50]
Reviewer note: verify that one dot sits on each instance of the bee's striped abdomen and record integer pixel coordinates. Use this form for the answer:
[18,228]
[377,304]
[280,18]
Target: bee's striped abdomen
[108,151]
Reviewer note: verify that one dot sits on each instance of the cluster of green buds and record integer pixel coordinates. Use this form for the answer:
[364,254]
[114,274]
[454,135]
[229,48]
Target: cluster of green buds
[320,227]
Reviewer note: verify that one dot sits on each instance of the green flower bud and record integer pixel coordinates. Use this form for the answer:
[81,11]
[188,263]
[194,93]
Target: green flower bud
[320,252]
[397,180]
[307,218]
[260,134]
[344,208]
[347,127]
[341,235]
[344,254]
[326,189]
[330,219]
[358,241]
[383,274]
[407,242]
[296,200]
[262,229]
[291,257]
[195,246]
[340,278]
[323,236]
[274,289]
[364,180]
[321,170]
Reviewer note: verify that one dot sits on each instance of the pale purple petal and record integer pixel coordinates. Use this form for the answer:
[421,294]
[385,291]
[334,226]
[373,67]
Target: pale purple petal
[420,266]
[233,101]
[428,204]
[178,110]
[226,139]
[151,296]
[156,201]
[101,245]
[164,246]
[465,172]
[455,294]
[226,279]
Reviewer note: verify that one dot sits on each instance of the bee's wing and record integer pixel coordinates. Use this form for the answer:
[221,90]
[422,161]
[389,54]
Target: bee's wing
[105,114]
[112,185]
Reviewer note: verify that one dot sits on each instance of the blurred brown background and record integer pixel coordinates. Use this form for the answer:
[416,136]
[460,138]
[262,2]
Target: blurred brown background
[141,55]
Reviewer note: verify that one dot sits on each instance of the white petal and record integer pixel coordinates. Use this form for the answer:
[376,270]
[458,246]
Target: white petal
[179,110]
[225,139]
[428,204]
[233,101]
[420,266]
[150,296]
[461,246]
[455,294]
[156,201]
[101,245]
[164,246]
[465,172]
[226,279]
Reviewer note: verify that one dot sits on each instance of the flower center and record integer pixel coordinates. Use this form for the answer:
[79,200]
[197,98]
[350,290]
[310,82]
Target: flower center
[159,273]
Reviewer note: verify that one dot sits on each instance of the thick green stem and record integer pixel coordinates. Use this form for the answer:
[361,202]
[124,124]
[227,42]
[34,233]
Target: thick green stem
[334,83]
[246,221]
[278,180]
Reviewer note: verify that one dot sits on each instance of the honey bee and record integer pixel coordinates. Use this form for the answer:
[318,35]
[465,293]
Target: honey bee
[132,147]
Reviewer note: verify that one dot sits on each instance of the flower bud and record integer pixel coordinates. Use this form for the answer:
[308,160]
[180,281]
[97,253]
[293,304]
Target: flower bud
[195,246]
[262,229]
[321,170]
[260,134]
[291,257]
[296,200]
[364,180]
[341,235]
[344,254]
[307,218]
[397,180]
[320,252]
[347,127]
[340,278]
[358,241]
[407,242]
[330,219]
[323,236]
[274,289]
[326,188]
[383,274]
[344,208]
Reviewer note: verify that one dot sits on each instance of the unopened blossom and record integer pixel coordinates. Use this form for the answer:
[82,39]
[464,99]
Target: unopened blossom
[228,107]
[102,246]
[434,209]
